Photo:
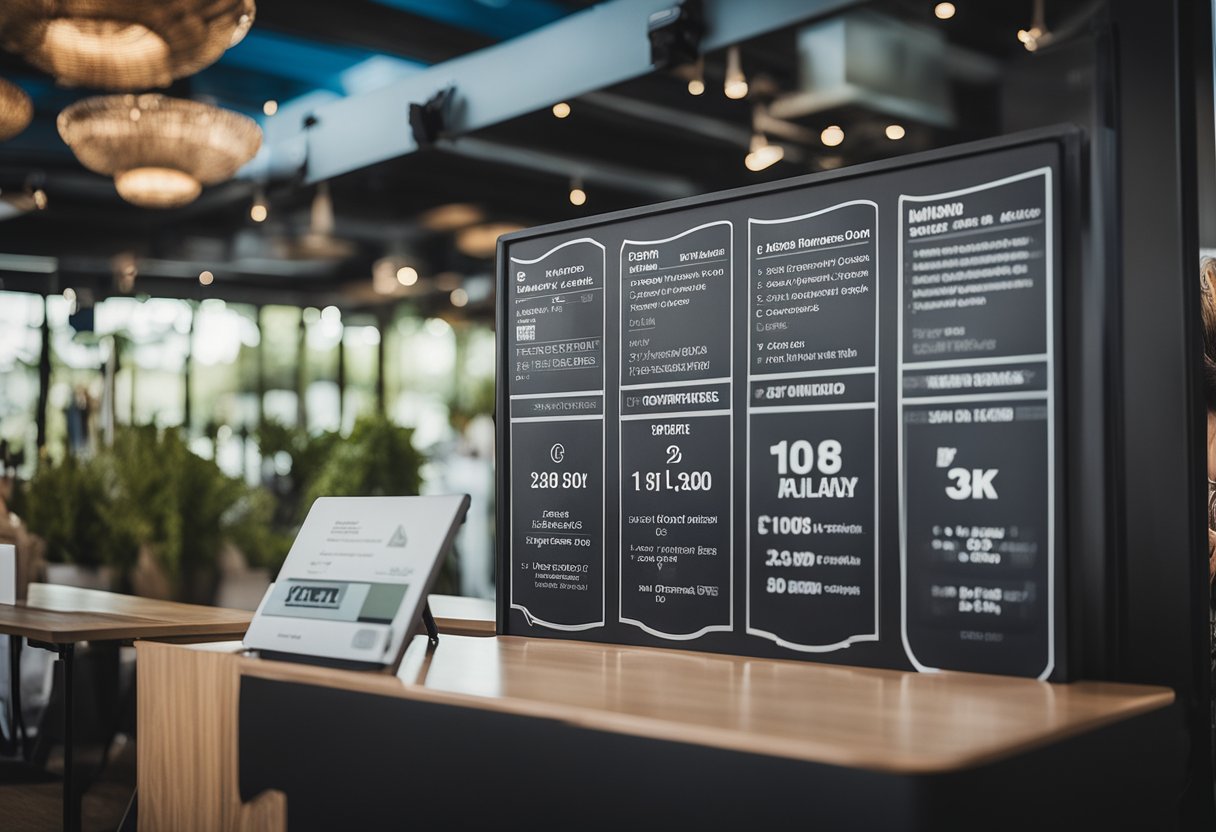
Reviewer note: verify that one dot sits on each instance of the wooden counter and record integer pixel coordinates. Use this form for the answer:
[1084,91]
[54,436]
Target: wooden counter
[888,722]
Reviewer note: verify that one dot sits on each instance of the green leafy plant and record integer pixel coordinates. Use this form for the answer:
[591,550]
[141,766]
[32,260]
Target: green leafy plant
[71,504]
[150,489]
[377,459]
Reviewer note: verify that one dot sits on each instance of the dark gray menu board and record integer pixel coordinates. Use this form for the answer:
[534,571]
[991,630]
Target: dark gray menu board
[815,419]
[977,409]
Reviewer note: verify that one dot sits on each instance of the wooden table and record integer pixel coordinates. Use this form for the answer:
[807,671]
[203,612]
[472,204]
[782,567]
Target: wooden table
[195,761]
[57,618]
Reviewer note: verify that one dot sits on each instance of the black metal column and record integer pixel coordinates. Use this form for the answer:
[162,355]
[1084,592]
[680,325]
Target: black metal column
[1158,404]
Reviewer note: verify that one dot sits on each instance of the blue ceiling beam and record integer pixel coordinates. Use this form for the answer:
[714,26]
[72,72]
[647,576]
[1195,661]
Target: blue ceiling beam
[320,66]
[502,19]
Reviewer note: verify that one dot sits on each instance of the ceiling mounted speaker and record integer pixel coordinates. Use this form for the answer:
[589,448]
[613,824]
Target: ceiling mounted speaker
[16,110]
[122,44]
[161,151]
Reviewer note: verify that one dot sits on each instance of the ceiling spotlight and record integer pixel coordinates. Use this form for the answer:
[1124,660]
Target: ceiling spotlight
[125,270]
[206,278]
[832,136]
[407,275]
[895,132]
[561,109]
[270,107]
[459,297]
[1037,35]
[321,219]
[481,241]
[577,195]
[944,11]
[736,82]
[762,155]
[451,217]
[260,209]
[696,84]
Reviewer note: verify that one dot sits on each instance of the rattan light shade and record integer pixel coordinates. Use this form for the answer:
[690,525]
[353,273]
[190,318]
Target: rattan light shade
[122,44]
[16,110]
[160,150]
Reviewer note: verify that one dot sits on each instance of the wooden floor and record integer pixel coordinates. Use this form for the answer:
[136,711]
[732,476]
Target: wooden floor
[32,803]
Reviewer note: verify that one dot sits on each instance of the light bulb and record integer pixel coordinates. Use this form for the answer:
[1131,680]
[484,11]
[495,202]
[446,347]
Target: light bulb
[407,275]
[578,196]
[832,136]
[944,11]
[205,278]
[736,82]
[762,155]
[561,109]
[696,83]
[895,132]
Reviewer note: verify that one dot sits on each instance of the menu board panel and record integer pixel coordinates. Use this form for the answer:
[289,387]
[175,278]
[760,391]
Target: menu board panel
[977,413]
[814,419]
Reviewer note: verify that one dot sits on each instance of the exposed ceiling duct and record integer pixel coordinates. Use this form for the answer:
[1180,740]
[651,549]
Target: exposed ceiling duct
[869,60]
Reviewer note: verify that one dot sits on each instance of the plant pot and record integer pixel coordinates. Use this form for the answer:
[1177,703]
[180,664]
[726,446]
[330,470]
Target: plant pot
[85,577]
[149,578]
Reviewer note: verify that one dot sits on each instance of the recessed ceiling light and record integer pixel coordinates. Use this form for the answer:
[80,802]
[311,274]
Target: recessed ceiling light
[832,136]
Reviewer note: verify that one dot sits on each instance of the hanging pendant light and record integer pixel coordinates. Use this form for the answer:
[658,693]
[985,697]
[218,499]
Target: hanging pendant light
[16,110]
[122,44]
[161,151]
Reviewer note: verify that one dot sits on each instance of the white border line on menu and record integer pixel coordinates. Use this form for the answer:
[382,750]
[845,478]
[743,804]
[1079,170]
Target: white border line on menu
[1048,395]
[761,377]
[531,619]
[730,412]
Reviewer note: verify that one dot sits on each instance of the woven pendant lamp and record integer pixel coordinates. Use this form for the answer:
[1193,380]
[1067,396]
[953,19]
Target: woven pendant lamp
[122,44]
[16,110]
[161,151]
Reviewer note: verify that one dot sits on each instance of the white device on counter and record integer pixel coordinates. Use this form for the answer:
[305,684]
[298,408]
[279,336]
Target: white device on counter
[8,573]
[357,578]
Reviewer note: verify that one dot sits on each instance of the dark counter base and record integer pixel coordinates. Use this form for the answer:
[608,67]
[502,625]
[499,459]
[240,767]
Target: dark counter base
[359,761]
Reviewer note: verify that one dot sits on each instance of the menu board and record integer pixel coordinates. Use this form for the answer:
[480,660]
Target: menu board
[814,419]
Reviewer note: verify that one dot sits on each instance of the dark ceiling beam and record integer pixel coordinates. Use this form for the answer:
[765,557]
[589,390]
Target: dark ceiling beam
[371,26]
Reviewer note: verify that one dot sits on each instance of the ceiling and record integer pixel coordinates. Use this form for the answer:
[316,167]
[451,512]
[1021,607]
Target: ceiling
[302,53]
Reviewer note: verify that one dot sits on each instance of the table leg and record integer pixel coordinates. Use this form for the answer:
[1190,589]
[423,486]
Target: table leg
[18,719]
[71,796]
